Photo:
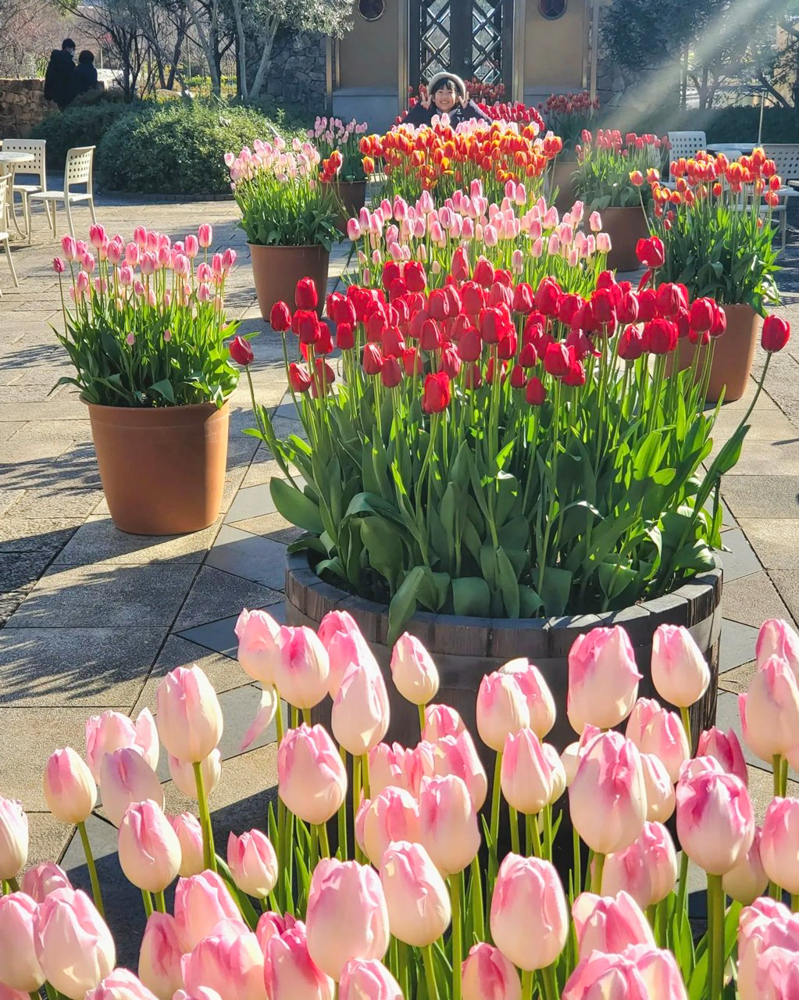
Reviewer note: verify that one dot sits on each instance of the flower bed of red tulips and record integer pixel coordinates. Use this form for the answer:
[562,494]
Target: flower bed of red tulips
[447,159]
[414,904]
[493,449]
[490,99]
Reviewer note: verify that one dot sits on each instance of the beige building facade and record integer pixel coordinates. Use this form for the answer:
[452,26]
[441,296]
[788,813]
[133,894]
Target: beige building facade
[533,47]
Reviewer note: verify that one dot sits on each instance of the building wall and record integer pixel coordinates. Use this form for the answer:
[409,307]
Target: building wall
[553,50]
[368,53]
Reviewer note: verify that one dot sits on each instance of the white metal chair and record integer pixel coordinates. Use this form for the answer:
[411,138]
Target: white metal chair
[686,144]
[78,170]
[5,188]
[36,148]
[786,160]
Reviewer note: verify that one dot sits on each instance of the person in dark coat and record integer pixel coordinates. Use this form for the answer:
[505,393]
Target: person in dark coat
[58,80]
[446,94]
[85,76]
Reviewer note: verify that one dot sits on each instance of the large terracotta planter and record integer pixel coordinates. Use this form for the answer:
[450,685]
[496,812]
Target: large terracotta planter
[276,271]
[162,468]
[733,354]
[465,649]
[625,226]
[352,195]
[563,180]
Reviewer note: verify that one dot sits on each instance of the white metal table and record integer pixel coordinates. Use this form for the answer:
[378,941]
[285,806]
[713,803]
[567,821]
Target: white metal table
[10,163]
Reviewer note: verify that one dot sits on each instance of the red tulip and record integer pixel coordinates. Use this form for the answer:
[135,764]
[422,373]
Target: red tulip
[305,323]
[484,272]
[719,322]
[470,346]
[439,304]
[473,298]
[647,305]
[775,334]
[459,268]
[548,297]
[437,393]
[430,338]
[450,361]
[305,294]
[660,336]
[603,306]
[415,277]
[390,274]
[412,362]
[651,252]
[345,339]
[702,314]
[241,352]
[299,377]
[627,311]
[390,373]
[631,344]
[372,359]
[570,306]
[556,359]
[670,299]
[280,317]
[495,324]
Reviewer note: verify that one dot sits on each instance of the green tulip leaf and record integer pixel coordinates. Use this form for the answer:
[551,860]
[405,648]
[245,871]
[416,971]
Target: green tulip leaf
[296,507]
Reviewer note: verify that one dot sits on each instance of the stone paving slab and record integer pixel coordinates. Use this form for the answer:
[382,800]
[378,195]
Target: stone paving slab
[216,594]
[98,540]
[253,557]
[752,599]
[22,534]
[762,496]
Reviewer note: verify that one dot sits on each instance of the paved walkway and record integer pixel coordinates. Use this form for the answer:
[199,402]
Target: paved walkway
[94,618]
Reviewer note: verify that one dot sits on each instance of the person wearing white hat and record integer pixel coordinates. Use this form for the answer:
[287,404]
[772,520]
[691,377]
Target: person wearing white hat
[446,94]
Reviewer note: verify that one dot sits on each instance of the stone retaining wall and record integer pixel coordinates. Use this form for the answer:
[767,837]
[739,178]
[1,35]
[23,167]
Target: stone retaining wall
[22,106]
[297,72]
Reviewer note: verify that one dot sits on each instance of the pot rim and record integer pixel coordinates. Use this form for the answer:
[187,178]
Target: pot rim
[289,246]
[182,407]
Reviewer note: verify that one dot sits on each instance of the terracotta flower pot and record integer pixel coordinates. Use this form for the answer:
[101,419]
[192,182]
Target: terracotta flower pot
[352,195]
[733,354]
[162,468]
[563,180]
[625,226]
[276,271]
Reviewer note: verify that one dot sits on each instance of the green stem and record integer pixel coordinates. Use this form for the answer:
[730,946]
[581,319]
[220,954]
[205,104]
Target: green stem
[495,799]
[548,838]
[209,854]
[527,984]
[421,721]
[13,885]
[682,894]
[51,993]
[794,902]
[478,917]
[356,800]
[324,843]
[776,766]
[160,902]
[342,816]
[550,982]
[365,775]
[514,830]
[686,722]
[662,925]
[403,968]
[596,878]
[87,850]
[148,903]
[578,862]
[455,884]
[278,716]
[715,912]
[430,972]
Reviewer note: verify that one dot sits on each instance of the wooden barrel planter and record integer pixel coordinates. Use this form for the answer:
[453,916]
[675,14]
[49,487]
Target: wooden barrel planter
[465,649]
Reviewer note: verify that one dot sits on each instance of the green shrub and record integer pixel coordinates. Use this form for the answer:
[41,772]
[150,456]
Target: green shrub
[177,148]
[82,123]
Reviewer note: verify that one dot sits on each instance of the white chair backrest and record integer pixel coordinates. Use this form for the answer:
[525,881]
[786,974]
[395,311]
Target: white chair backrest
[78,168]
[5,182]
[786,159]
[36,148]
[686,144]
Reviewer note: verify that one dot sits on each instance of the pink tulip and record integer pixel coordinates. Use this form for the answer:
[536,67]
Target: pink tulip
[69,788]
[529,918]
[647,869]
[458,755]
[44,878]
[487,975]
[302,666]
[540,703]
[189,714]
[660,798]
[440,721]
[149,849]
[190,835]
[607,798]
[13,838]
[347,916]
[360,715]
[252,862]
[764,926]
[416,895]
[229,961]
[726,749]
[74,947]
[640,973]
[312,781]
[19,966]
[192,246]
[393,814]
[777,638]
[573,753]
[413,671]
[679,671]
[159,957]
[664,736]
[346,647]
[289,971]
[68,247]
[526,775]
[205,235]
[557,772]
[271,924]
[397,765]
[778,974]
[111,731]
[501,709]
[201,902]
[609,923]
[779,846]
[182,774]
[748,879]
[125,777]
[368,980]
[715,825]
[449,829]
[603,679]
[770,710]
[120,984]
[257,634]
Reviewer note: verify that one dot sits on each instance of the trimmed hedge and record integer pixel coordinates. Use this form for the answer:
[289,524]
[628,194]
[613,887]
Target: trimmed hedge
[82,123]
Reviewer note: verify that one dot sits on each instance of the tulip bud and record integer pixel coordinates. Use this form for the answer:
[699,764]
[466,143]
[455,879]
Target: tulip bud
[776,333]
[257,653]
[642,972]
[182,773]
[312,781]
[526,775]
[120,984]
[19,966]
[449,829]
[748,879]
[112,731]
[347,916]
[69,788]
[679,671]
[779,845]
[125,777]
[439,721]
[416,896]
[715,825]
[302,666]
[13,838]
[44,878]
[361,712]
[725,748]
[413,671]
[609,923]
[603,679]
[65,917]
[770,710]
[392,815]
[660,800]
[487,974]
[368,980]
[253,863]
[529,918]
[229,961]
[190,835]
[501,709]
[458,755]
[607,798]
[647,869]
[665,737]
[289,971]
[149,849]
[765,926]
[540,703]
[159,957]
[201,902]
[189,714]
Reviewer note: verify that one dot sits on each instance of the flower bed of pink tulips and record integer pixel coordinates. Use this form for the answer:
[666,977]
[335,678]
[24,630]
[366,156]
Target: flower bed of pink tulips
[414,903]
